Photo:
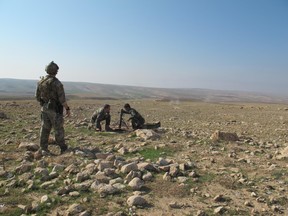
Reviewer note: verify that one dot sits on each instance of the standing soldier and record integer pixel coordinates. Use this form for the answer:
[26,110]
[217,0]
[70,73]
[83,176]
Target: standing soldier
[50,93]
[102,114]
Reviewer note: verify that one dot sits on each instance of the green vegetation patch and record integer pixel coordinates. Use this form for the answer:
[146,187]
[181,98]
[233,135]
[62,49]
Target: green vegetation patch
[278,174]
[153,154]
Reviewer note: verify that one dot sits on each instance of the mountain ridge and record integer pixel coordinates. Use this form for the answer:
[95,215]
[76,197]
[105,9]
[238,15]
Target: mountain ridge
[20,88]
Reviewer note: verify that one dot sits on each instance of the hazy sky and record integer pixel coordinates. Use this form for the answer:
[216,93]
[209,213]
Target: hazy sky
[214,44]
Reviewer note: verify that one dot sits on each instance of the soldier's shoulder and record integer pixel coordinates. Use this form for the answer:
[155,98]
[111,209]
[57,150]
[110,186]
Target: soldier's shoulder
[57,82]
[101,109]
[42,78]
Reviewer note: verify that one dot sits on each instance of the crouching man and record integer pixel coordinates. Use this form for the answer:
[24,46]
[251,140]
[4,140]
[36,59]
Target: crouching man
[100,115]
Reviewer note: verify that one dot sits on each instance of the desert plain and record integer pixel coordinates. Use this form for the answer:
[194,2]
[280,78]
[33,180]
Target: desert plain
[180,168]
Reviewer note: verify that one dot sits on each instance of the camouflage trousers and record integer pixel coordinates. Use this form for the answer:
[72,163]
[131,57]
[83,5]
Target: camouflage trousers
[50,119]
[137,123]
[107,122]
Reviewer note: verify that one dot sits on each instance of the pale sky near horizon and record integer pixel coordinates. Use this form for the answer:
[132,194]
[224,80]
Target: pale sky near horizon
[213,44]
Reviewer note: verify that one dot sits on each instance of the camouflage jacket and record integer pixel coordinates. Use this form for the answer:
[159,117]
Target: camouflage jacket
[134,114]
[50,88]
[99,115]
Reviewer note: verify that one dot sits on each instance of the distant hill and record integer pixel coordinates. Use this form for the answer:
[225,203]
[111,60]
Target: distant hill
[16,88]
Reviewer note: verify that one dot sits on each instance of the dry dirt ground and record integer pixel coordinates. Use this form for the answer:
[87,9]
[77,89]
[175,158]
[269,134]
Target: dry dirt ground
[242,177]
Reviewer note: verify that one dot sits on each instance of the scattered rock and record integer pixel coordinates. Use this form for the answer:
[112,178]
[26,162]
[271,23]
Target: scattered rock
[106,189]
[248,203]
[219,210]
[219,198]
[136,200]
[136,183]
[164,162]
[147,166]
[147,134]
[283,153]
[147,177]
[167,177]
[74,209]
[218,135]
[201,213]
[129,167]
[29,146]
[175,205]
[45,199]
[174,170]
[25,167]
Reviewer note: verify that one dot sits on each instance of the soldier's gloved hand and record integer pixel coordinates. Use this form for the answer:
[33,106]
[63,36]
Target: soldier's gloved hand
[68,113]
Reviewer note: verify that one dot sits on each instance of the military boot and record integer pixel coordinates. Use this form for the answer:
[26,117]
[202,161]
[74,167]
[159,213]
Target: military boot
[63,149]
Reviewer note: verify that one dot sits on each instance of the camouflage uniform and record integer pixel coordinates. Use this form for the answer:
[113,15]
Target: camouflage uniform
[136,119]
[100,115]
[50,93]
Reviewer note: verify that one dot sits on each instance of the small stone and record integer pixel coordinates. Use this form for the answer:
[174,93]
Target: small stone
[174,170]
[182,179]
[167,177]
[219,198]
[105,164]
[193,174]
[249,204]
[147,134]
[201,213]
[45,199]
[26,167]
[219,210]
[123,150]
[105,189]
[129,167]
[75,209]
[163,162]
[29,146]
[147,177]
[136,183]
[175,205]
[74,194]
[85,213]
[58,168]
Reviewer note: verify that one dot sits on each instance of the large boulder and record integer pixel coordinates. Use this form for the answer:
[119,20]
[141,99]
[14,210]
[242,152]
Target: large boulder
[136,201]
[283,153]
[129,167]
[147,134]
[219,135]
[136,183]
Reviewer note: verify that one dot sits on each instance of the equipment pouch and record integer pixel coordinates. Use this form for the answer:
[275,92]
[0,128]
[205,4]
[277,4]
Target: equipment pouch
[59,108]
[51,105]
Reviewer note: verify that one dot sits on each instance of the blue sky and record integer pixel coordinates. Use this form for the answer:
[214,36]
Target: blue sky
[214,44]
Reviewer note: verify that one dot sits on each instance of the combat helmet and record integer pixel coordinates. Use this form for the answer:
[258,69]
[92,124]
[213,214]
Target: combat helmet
[52,68]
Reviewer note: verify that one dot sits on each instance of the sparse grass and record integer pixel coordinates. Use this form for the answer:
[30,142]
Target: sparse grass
[161,188]
[279,174]
[153,154]
[229,212]
[15,211]
[24,122]
[206,178]
[228,182]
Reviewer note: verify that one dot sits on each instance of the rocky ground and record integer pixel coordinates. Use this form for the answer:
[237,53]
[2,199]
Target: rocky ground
[206,159]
